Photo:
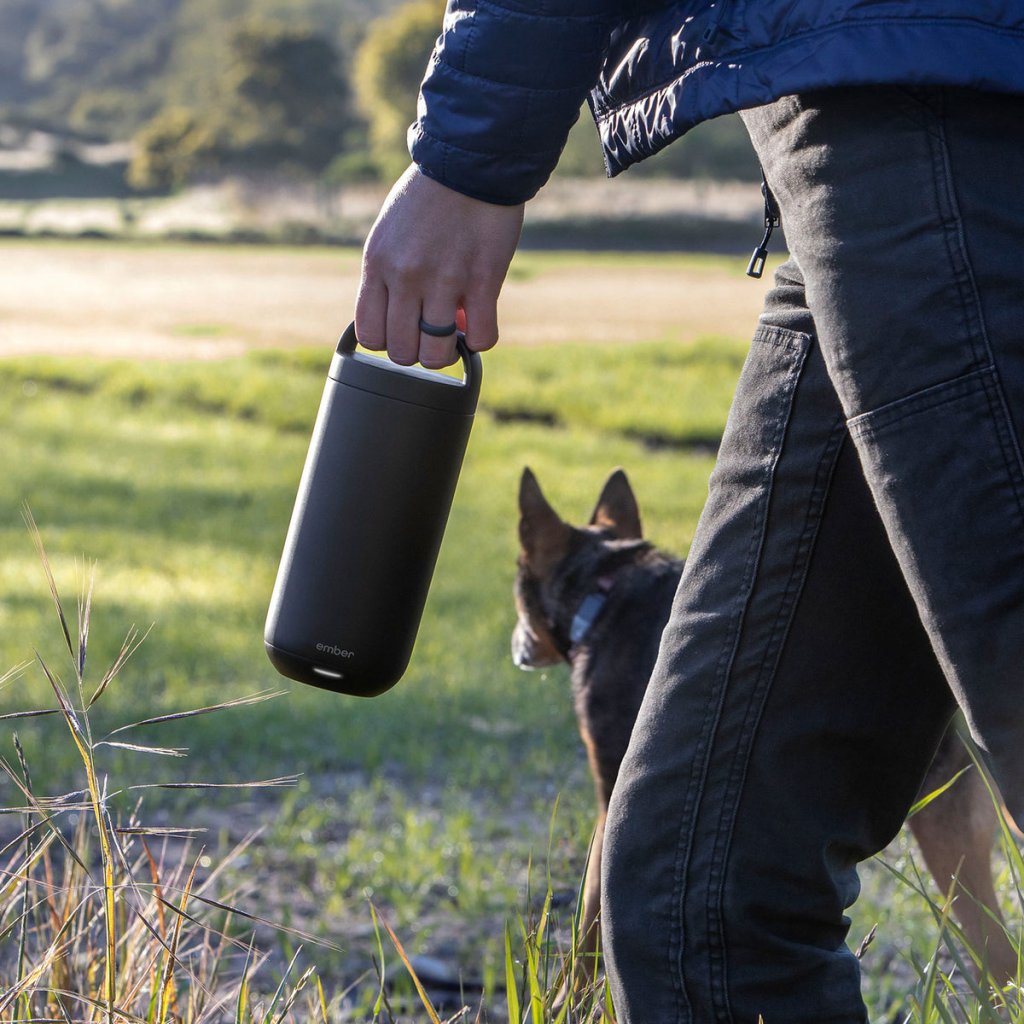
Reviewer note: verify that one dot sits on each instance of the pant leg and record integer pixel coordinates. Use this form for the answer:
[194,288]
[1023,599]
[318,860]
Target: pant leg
[789,722]
[905,211]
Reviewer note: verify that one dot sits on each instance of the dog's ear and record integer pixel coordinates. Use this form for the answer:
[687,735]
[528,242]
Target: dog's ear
[542,534]
[617,509]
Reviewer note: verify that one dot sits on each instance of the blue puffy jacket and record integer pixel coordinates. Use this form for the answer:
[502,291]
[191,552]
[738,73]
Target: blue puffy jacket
[508,77]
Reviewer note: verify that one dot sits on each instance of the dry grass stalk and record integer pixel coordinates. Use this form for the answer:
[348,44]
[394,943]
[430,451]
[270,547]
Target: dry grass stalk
[107,927]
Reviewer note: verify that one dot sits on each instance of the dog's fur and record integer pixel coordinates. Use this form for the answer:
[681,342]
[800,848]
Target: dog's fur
[560,566]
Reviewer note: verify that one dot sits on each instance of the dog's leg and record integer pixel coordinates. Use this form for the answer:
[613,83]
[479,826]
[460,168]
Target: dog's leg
[589,931]
[955,834]
[590,928]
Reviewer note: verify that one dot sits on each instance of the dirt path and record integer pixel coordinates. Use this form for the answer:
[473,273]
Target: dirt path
[189,302]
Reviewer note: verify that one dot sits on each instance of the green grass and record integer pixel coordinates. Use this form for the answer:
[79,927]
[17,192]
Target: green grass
[662,394]
[178,479]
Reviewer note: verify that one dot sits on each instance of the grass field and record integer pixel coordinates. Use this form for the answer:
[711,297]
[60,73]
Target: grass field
[176,476]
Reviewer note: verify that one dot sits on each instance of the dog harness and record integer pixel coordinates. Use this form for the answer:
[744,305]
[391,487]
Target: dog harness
[588,611]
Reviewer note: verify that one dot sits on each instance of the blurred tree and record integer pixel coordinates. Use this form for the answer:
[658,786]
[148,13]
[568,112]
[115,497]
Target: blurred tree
[286,104]
[17,21]
[169,150]
[127,93]
[279,104]
[106,67]
[76,47]
[389,67]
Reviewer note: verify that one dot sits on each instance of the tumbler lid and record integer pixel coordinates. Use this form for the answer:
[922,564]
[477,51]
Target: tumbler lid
[413,384]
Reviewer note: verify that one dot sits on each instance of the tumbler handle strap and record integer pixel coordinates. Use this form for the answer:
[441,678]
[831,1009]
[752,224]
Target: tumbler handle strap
[471,362]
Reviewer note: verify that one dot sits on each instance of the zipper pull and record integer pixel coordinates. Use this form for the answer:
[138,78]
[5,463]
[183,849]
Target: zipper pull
[755,268]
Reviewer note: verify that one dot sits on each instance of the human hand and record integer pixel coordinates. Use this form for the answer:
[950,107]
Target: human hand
[435,255]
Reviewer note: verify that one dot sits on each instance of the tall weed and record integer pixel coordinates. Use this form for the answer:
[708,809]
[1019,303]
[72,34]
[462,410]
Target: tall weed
[105,917]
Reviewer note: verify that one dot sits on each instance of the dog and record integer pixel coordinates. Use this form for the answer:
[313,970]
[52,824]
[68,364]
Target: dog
[598,598]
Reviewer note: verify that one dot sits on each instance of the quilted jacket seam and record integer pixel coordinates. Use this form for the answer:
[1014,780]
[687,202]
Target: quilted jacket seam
[446,65]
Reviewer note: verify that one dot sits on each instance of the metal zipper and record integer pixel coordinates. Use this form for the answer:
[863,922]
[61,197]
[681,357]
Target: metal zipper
[772,219]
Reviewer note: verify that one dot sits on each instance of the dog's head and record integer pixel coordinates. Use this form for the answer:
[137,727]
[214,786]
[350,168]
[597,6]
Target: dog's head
[560,566]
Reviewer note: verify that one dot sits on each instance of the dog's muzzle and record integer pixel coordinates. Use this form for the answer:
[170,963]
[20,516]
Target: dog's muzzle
[529,651]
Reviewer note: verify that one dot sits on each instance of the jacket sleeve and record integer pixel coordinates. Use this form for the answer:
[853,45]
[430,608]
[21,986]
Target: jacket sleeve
[504,85]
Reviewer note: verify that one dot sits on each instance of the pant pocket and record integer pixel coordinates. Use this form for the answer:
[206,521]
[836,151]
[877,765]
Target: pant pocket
[945,471]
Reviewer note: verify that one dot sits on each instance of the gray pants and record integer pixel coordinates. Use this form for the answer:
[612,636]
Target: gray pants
[857,572]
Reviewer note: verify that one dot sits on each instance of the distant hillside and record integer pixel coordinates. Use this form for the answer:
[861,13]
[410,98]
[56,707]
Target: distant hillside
[104,67]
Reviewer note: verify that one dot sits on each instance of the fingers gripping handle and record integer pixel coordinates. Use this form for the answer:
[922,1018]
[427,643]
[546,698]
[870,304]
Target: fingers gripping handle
[471,362]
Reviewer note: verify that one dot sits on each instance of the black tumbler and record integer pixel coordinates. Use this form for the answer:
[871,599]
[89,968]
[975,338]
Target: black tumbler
[368,520]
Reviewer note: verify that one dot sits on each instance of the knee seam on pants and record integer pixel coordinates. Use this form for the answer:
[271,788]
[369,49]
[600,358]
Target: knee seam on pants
[797,343]
[698,776]
[764,676]
[713,708]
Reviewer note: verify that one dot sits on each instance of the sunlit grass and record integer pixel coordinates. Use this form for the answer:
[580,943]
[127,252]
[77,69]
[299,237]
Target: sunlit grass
[107,916]
[178,478]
